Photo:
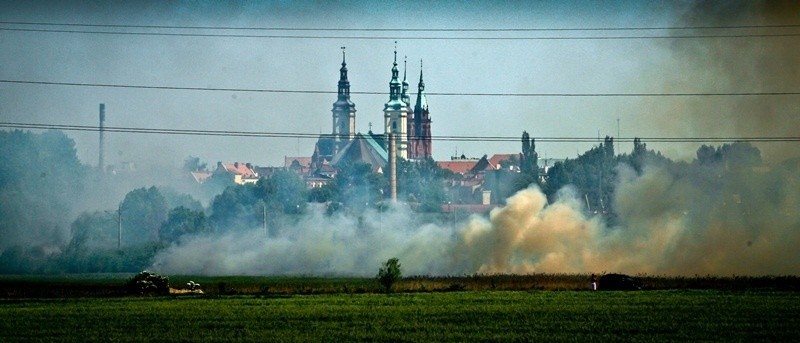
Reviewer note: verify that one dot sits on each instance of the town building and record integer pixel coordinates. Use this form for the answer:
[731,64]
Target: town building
[242,173]
[411,128]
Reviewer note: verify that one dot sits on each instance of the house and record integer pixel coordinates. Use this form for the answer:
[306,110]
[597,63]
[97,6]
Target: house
[299,165]
[242,173]
[201,176]
[505,161]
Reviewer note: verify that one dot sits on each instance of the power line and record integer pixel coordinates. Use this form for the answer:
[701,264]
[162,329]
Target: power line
[264,134]
[284,36]
[405,29]
[290,91]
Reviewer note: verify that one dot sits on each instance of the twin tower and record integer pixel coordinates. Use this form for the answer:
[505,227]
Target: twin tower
[411,129]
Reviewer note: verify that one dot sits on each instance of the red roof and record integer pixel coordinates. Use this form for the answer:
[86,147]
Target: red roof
[200,176]
[239,169]
[497,158]
[460,166]
[303,161]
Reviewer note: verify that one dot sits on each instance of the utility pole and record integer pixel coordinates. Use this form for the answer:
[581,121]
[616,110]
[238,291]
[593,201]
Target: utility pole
[392,168]
[266,232]
[100,160]
[119,226]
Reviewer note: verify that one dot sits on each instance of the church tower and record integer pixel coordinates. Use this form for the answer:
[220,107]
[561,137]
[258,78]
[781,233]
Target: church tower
[395,115]
[406,98]
[344,111]
[420,133]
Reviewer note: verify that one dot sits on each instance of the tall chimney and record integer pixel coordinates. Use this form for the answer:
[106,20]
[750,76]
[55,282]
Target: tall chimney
[392,167]
[100,162]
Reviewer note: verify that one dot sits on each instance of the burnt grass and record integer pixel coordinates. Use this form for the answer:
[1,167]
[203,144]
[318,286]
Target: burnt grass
[113,285]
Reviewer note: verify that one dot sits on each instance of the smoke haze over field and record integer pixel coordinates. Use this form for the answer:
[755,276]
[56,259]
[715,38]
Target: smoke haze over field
[724,65]
[317,245]
[694,219]
[718,222]
[668,226]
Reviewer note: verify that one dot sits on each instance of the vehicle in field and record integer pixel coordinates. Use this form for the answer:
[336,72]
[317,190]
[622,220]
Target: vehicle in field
[618,282]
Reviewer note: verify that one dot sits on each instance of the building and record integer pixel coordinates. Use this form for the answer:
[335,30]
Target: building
[363,148]
[242,173]
[410,127]
[395,114]
[344,111]
[419,126]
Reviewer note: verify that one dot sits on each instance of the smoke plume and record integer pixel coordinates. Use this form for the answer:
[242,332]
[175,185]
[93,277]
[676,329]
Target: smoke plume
[702,220]
[736,65]
[669,224]
[317,245]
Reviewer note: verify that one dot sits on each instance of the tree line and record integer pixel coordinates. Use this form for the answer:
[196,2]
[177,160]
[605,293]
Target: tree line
[43,183]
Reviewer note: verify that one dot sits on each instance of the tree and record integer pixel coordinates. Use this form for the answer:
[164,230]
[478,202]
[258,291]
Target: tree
[529,163]
[243,206]
[41,181]
[285,191]
[731,156]
[183,221]
[175,199]
[593,174]
[142,212]
[90,231]
[422,182]
[389,273]
[235,208]
[356,186]
[193,164]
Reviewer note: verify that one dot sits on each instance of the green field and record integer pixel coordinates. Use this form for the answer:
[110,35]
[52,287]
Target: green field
[677,315]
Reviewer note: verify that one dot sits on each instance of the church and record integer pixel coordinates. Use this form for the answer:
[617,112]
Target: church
[409,126]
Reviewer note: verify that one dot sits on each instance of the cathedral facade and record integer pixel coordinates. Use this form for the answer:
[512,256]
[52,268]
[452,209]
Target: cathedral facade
[409,127]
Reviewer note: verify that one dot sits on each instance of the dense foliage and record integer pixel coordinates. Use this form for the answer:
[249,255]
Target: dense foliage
[47,231]
[41,179]
[389,273]
[247,206]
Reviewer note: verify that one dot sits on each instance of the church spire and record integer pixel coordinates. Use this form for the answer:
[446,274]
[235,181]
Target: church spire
[344,110]
[394,84]
[395,114]
[421,84]
[344,84]
[422,103]
[404,93]
[422,123]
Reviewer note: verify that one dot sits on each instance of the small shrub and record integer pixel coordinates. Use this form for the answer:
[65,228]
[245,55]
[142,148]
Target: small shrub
[389,273]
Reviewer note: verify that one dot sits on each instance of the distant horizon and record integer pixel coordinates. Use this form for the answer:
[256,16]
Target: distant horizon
[475,55]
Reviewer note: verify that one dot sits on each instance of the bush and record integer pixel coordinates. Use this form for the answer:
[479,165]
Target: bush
[389,273]
[148,283]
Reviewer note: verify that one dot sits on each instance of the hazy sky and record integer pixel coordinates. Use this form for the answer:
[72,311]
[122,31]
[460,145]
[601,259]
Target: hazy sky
[644,65]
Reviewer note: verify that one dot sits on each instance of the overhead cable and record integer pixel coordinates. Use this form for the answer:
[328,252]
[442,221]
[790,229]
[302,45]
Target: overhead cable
[298,135]
[295,91]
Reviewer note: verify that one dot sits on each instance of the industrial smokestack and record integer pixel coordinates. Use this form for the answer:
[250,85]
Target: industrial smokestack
[100,162]
[392,168]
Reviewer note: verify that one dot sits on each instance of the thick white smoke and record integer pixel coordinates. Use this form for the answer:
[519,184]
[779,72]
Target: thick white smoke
[745,222]
[317,245]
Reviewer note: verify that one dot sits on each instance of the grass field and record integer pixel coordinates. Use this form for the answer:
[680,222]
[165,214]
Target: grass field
[539,307]
[679,315]
[105,285]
